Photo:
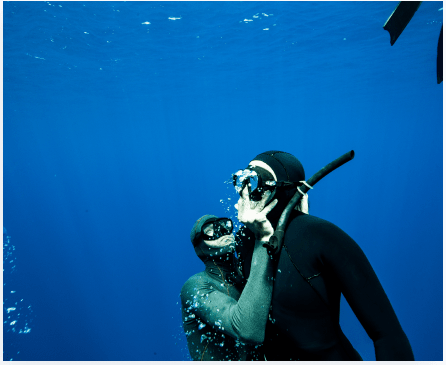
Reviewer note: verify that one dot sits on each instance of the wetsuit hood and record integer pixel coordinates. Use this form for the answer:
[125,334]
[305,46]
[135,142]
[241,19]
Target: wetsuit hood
[222,256]
[286,167]
[195,233]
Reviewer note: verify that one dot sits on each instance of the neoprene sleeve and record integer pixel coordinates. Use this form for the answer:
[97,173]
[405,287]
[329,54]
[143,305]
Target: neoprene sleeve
[365,294]
[214,305]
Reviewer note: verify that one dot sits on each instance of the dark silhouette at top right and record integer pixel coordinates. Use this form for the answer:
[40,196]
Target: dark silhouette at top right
[398,21]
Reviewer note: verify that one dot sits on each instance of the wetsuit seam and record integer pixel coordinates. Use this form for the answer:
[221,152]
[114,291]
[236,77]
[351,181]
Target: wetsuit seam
[202,355]
[314,276]
[287,175]
[305,278]
[223,277]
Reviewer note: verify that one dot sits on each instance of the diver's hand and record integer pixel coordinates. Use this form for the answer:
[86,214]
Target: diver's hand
[253,214]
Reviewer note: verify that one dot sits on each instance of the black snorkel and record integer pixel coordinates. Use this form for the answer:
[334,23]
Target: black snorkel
[275,242]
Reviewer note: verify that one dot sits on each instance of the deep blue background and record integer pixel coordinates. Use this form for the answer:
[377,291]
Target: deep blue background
[118,135]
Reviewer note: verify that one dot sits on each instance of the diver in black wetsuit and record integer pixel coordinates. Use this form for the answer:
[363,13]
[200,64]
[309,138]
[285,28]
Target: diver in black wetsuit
[317,263]
[222,319]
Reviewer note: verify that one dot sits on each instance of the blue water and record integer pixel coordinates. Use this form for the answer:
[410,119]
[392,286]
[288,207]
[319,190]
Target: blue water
[118,134]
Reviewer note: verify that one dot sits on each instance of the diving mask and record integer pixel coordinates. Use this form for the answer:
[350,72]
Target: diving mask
[256,186]
[216,229]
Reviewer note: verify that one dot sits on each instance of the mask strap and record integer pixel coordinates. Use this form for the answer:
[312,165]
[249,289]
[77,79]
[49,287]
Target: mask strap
[263,165]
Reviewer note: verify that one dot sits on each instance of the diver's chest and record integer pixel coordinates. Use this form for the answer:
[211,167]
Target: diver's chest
[300,283]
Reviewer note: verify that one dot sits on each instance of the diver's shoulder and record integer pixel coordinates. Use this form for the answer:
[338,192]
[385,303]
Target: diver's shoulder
[195,280]
[311,222]
[308,218]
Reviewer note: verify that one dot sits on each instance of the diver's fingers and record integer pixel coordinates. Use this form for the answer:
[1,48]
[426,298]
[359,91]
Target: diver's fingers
[240,208]
[270,207]
[268,197]
[262,202]
[272,195]
[245,193]
[265,195]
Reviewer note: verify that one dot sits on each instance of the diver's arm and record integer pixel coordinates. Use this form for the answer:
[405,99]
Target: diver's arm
[365,295]
[244,319]
[249,316]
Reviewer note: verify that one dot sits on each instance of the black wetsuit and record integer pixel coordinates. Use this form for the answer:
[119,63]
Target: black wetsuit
[317,263]
[222,318]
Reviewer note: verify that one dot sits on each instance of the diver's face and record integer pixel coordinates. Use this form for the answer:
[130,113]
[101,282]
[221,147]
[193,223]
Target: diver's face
[244,179]
[244,201]
[219,242]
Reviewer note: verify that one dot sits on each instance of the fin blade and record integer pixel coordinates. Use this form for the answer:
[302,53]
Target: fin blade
[399,19]
[440,57]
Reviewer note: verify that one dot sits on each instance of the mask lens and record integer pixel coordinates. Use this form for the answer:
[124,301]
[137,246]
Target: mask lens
[244,177]
[217,229]
[223,227]
[208,229]
[254,182]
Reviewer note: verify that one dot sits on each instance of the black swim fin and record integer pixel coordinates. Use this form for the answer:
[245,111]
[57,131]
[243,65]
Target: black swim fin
[400,17]
[440,57]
